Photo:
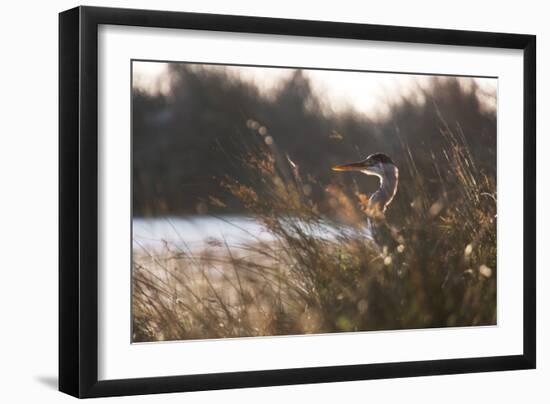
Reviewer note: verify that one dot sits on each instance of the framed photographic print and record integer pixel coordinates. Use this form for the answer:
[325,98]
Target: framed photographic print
[251,201]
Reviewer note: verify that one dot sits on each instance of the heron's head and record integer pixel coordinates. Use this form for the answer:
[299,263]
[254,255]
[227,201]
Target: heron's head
[376,164]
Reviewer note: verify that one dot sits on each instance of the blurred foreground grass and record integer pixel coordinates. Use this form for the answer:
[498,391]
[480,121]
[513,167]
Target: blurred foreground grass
[437,270]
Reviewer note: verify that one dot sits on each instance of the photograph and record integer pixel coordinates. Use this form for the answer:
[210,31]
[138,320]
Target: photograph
[277,201]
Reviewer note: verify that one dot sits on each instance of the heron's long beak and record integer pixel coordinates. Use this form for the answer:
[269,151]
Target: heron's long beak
[350,167]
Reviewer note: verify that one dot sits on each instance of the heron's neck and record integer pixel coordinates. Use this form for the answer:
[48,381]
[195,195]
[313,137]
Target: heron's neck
[389,176]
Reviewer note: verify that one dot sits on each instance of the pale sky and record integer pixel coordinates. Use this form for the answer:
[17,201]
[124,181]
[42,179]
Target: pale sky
[363,91]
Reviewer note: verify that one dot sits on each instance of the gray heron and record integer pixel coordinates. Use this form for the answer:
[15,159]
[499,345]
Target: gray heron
[381,166]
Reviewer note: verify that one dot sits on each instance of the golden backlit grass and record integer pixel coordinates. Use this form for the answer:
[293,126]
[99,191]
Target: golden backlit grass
[435,267]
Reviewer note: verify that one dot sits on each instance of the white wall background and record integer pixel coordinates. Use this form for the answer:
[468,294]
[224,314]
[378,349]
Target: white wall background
[28,199]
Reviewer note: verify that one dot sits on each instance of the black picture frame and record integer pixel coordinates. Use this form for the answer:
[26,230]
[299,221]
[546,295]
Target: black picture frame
[78,201]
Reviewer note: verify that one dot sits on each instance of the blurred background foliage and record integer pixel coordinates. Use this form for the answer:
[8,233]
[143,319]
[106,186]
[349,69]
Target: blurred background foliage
[185,141]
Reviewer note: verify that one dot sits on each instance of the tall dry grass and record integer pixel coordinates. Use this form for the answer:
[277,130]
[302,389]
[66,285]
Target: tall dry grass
[436,267]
